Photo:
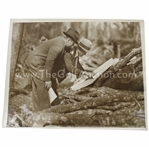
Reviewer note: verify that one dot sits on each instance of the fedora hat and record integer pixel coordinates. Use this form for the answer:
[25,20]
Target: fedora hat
[73,34]
[84,45]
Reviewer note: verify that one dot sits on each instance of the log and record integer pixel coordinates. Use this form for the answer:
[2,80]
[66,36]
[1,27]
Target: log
[124,61]
[121,77]
[85,90]
[137,84]
[118,121]
[90,117]
[134,84]
[82,118]
[95,92]
[116,107]
[110,107]
[128,110]
[114,93]
[104,95]
[139,68]
[113,69]
[70,93]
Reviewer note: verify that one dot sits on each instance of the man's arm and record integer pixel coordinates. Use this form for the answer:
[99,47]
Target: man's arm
[69,64]
[52,55]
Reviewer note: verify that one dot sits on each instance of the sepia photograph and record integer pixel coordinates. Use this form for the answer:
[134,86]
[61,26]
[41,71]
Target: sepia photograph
[76,73]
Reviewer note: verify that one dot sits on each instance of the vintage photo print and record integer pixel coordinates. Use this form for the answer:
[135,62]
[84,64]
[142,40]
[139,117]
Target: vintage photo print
[76,73]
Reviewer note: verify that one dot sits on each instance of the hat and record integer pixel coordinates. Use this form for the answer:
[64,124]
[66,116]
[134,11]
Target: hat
[73,34]
[84,44]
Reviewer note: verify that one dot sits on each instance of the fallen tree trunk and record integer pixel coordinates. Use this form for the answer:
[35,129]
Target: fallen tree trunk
[113,69]
[113,93]
[77,118]
[90,117]
[109,107]
[139,68]
[129,110]
[116,107]
[118,121]
[104,95]
[133,83]
[124,61]
[95,92]
[137,84]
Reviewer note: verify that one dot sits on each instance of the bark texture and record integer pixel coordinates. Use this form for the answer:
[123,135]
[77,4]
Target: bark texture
[101,107]
[124,75]
[17,34]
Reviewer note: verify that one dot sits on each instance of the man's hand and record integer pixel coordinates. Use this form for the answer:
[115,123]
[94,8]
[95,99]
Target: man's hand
[48,84]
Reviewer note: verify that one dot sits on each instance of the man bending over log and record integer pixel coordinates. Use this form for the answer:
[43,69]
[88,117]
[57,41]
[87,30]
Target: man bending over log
[40,63]
[68,61]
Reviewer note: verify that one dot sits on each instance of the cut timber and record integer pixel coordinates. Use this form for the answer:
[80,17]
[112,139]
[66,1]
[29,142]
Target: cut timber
[120,105]
[100,107]
[88,117]
[103,96]
[121,79]
[133,84]
[84,119]
[137,83]
[126,59]
[99,71]
[113,69]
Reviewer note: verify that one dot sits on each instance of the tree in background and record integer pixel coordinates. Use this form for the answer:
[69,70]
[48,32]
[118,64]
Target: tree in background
[17,34]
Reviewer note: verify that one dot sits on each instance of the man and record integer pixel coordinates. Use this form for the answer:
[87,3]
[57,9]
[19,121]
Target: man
[75,67]
[68,62]
[40,63]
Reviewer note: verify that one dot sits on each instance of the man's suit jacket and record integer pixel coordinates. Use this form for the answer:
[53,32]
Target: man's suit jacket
[64,63]
[41,60]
